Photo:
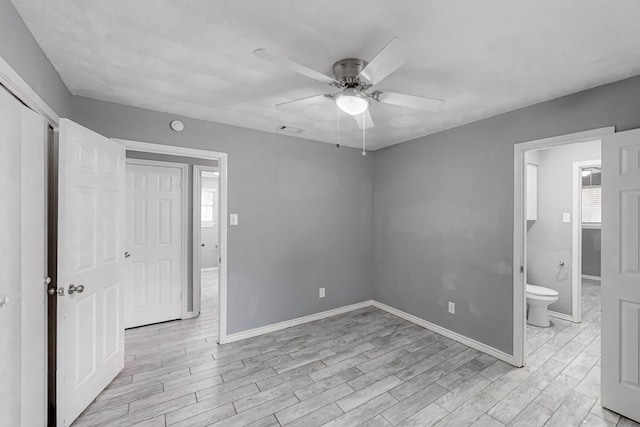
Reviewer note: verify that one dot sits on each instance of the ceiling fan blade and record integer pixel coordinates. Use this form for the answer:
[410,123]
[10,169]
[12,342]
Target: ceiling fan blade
[368,121]
[389,59]
[419,102]
[302,102]
[294,66]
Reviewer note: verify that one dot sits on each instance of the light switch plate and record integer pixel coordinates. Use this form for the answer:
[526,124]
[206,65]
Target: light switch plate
[452,307]
[566,217]
[233,219]
[321,293]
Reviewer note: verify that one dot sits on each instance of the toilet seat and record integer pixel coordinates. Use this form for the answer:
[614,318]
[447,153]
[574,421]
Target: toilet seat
[540,291]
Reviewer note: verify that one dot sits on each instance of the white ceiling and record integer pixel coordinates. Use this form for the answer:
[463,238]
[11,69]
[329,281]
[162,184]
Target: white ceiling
[194,58]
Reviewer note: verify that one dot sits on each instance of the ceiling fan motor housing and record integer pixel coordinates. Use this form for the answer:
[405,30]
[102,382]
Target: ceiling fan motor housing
[346,72]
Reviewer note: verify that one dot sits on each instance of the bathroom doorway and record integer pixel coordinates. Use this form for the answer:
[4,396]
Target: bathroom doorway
[555,209]
[587,231]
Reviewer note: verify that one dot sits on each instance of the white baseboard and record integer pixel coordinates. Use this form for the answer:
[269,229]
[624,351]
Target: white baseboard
[587,276]
[295,322]
[190,315]
[498,354]
[561,315]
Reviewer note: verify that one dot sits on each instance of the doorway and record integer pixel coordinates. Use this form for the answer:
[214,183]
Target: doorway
[211,167]
[156,209]
[598,357]
[206,238]
[548,241]
[551,266]
[587,232]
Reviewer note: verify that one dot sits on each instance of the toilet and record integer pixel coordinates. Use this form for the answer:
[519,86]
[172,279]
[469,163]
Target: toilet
[538,299]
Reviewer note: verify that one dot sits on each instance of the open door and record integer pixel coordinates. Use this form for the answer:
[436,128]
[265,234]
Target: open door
[621,273]
[90,322]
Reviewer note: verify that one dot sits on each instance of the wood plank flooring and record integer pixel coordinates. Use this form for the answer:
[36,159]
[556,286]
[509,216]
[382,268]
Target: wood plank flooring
[363,368]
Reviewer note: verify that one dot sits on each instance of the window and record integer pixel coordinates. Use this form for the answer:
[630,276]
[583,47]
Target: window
[207,208]
[591,205]
[591,197]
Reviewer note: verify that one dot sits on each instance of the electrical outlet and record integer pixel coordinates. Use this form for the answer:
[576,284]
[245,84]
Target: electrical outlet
[321,293]
[452,308]
[233,219]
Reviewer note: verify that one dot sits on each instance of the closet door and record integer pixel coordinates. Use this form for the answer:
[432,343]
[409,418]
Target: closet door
[22,266]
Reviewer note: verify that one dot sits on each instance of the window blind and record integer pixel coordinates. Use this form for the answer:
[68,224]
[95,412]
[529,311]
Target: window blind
[592,204]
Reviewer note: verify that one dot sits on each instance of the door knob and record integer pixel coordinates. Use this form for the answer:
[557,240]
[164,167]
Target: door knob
[4,301]
[73,289]
[202,244]
[52,291]
[127,254]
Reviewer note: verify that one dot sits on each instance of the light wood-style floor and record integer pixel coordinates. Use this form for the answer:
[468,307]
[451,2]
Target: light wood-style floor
[365,367]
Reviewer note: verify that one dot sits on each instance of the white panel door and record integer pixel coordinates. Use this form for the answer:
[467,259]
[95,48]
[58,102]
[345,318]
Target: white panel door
[22,265]
[155,232]
[10,239]
[90,328]
[621,273]
[33,228]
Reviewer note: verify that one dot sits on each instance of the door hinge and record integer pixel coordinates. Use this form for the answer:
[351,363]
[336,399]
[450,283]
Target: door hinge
[522,269]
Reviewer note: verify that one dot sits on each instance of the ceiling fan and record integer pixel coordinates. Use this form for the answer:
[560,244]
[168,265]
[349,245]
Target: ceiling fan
[356,78]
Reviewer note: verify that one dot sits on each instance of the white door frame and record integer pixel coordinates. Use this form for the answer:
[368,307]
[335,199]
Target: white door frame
[576,238]
[519,227]
[197,232]
[222,167]
[17,86]
[10,79]
[184,225]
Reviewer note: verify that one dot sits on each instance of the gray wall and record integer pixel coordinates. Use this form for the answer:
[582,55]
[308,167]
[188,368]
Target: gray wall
[20,50]
[305,220]
[591,251]
[442,204]
[549,240]
[443,210]
[304,211]
[188,188]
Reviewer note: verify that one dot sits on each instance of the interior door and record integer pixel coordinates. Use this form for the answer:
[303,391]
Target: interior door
[155,242]
[23,137]
[33,228]
[621,273]
[90,320]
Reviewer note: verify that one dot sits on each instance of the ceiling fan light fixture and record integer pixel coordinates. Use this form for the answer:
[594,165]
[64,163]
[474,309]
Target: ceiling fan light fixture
[352,102]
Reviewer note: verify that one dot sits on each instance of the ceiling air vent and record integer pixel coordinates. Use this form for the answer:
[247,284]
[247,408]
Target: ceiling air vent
[290,129]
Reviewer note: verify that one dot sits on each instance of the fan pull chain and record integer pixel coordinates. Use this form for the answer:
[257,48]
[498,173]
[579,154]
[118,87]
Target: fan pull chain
[364,117]
[338,144]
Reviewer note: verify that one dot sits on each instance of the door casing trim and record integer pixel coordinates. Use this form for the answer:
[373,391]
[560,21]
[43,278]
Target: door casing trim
[222,159]
[10,79]
[519,227]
